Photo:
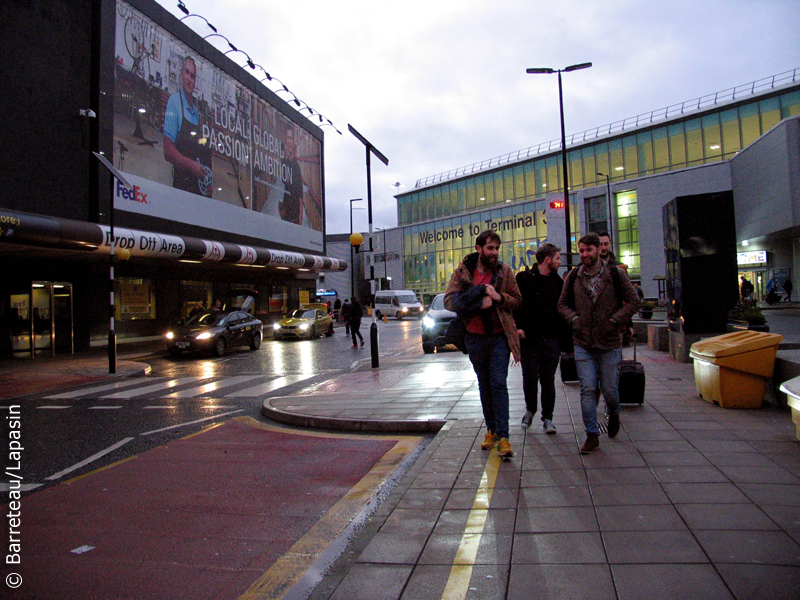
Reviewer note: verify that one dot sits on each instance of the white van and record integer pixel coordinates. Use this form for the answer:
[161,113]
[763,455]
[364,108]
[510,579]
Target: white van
[397,304]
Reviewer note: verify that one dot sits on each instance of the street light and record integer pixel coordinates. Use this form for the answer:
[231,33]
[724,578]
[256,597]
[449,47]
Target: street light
[352,245]
[549,71]
[609,204]
[383,247]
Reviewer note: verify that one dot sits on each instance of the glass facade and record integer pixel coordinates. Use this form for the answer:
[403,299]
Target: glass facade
[501,197]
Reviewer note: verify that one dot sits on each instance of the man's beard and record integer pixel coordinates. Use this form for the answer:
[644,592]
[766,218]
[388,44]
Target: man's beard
[488,261]
[591,261]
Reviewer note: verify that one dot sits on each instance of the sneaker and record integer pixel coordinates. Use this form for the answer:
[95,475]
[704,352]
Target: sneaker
[548,426]
[362,343]
[504,448]
[590,444]
[613,426]
[489,441]
[527,419]
[354,347]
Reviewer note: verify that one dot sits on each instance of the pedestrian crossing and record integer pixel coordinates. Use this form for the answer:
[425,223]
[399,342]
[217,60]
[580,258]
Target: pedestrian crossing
[240,386]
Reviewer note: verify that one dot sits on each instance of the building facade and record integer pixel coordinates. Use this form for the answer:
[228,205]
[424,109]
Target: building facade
[743,140]
[147,162]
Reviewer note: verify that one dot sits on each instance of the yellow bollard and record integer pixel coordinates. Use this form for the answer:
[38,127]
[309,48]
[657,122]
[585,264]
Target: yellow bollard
[385,319]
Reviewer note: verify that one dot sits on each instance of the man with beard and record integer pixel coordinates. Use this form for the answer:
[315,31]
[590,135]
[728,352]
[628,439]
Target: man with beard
[606,252]
[590,303]
[291,208]
[542,333]
[484,294]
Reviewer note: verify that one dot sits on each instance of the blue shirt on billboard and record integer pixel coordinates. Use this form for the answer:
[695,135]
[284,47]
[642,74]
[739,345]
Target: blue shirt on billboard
[173,118]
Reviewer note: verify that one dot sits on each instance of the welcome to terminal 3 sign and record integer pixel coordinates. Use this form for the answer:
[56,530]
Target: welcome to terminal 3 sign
[202,148]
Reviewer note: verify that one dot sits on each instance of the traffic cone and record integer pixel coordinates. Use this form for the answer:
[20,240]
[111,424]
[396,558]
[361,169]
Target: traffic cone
[385,319]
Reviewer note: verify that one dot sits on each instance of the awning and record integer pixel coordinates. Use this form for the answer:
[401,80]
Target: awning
[28,229]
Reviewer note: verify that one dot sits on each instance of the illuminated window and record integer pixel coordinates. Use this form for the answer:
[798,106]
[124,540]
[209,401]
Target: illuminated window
[627,232]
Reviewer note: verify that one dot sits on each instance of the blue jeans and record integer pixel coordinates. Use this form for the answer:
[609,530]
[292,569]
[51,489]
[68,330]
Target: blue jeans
[489,355]
[539,364]
[593,365]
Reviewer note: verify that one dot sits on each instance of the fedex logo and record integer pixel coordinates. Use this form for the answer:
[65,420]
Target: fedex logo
[135,194]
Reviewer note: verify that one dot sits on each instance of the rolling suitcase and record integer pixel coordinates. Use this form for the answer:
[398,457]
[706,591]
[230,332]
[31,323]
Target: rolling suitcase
[569,372]
[631,380]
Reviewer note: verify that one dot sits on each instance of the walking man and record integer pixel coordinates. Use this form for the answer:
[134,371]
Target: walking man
[542,333]
[597,303]
[607,252]
[484,293]
[346,316]
[355,323]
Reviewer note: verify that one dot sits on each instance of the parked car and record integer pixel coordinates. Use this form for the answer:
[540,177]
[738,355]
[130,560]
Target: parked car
[216,331]
[304,323]
[434,324]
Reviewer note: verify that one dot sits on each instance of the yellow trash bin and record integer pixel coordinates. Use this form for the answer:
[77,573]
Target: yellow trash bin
[732,369]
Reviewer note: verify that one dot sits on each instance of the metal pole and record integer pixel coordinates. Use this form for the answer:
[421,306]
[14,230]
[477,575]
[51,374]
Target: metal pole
[112,336]
[567,224]
[373,328]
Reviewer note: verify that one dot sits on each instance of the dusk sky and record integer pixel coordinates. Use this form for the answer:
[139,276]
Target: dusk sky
[437,85]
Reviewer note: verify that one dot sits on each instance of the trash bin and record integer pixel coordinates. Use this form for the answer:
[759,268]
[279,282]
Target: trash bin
[732,369]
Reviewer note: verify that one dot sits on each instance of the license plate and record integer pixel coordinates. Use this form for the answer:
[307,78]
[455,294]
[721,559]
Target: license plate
[182,344]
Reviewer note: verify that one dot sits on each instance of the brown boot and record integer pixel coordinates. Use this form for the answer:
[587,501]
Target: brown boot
[590,444]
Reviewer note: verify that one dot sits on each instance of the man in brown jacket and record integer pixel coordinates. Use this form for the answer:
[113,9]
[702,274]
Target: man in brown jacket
[484,294]
[597,302]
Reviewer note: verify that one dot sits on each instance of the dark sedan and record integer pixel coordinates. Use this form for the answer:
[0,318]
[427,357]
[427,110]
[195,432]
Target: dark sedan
[434,324]
[216,331]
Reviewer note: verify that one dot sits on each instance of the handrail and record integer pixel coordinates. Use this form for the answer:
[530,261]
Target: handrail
[660,114]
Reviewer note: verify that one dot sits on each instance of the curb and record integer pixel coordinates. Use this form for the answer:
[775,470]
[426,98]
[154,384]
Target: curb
[354,425]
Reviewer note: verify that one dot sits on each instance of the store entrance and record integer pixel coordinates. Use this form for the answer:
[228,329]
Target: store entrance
[758,279]
[41,320]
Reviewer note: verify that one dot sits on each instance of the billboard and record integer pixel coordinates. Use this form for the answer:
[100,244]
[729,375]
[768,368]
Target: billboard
[202,148]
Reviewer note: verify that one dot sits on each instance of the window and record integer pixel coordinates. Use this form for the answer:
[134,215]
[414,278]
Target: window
[628,232]
[135,299]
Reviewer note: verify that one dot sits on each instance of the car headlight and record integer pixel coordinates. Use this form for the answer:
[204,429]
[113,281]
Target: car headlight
[170,335]
[276,326]
[404,309]
[203,336]
[303,326]
[427,322]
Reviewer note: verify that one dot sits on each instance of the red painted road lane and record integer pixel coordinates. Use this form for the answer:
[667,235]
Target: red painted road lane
[202,517]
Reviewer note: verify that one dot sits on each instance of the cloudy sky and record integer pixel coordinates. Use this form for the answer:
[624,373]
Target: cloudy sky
[440,84]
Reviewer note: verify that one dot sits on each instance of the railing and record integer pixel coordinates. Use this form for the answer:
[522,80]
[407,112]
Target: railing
[661,114]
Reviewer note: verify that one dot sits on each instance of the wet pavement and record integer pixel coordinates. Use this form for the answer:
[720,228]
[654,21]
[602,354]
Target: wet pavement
[689,501]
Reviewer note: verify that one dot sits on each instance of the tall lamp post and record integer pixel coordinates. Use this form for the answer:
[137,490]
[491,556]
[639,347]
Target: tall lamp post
[549,71]
[373,329]
[352,246]
[608,207]
[383,248]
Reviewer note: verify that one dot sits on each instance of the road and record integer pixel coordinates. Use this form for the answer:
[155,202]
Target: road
[75,431]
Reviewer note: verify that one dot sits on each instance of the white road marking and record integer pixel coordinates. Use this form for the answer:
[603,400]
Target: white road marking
[104,407]
[268,387]
[100,388]
[52,407]
[152,389]
[91,459]
[233,412]
[213,387]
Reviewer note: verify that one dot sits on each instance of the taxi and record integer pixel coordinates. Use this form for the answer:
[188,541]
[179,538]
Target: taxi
[310,322]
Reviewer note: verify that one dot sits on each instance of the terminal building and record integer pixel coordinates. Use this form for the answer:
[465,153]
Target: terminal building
[124,125]
[744,141]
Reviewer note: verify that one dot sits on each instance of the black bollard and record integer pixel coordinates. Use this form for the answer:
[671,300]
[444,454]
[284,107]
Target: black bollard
[373,343]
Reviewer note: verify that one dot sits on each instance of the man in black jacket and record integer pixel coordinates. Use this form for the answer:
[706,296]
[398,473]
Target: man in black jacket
[542,333]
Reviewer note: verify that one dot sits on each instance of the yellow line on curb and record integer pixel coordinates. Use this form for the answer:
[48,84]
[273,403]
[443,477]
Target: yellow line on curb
[461,572]
[290,567]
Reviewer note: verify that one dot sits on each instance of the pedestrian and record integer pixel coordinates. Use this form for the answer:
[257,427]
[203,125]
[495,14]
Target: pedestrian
[355,322]
[542,333]
[607,252]
[198,308]
[337,306]
[772,291]
[346,316]
[747,288]
[597,303]
[483,292]
[787,287]
[639,290]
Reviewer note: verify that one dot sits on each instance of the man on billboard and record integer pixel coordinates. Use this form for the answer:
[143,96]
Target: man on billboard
[291,208]
[184,146]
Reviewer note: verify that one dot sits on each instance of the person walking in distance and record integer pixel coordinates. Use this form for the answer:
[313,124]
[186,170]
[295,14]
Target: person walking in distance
[346,316]
[591,303]
[355,322]
[542,333]
[483,292]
